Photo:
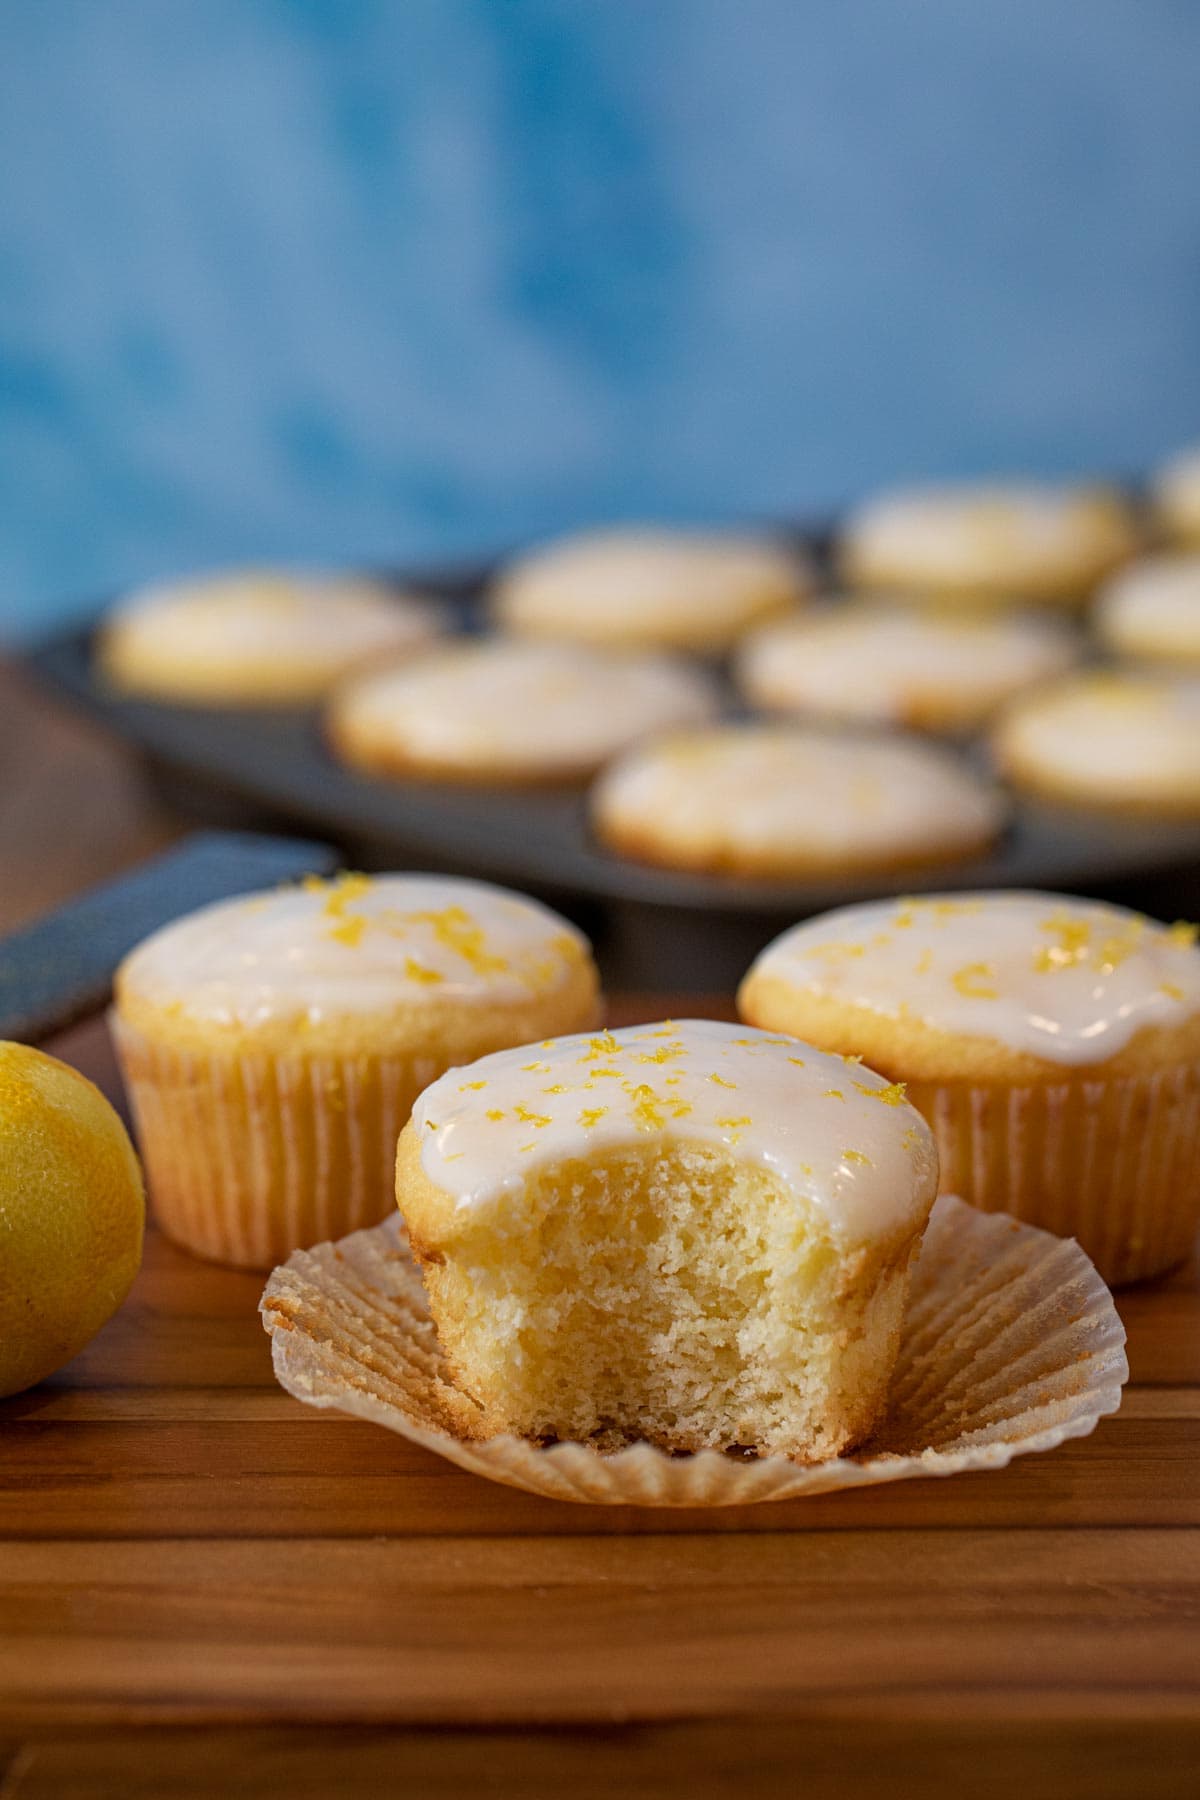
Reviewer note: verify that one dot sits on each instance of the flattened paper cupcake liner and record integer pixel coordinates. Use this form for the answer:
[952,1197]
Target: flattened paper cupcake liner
[1011,1344]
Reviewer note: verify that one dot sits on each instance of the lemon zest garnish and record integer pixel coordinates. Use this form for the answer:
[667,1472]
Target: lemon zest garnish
[493,1112]
[345,889]
[1171,989]
[458,932]
[647,1108]
[348,931]
[1182,934]
[531,1118]
[855,1156]
[976,981]
[589,1115]
[418,972]
[833,1094]
[721,1081]
[891,1095]
[471,1087]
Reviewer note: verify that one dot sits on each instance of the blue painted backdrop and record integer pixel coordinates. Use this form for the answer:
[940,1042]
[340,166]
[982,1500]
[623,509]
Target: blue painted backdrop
[412,278]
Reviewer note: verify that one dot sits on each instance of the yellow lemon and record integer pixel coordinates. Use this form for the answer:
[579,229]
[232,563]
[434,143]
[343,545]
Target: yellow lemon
[72,1210]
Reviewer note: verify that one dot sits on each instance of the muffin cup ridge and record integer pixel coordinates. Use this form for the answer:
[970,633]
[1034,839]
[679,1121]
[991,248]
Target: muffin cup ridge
[249,1155]
[1011,1344]
[1111,1161]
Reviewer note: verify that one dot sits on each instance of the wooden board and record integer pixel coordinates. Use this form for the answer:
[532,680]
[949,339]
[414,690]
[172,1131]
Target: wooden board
[206,1588]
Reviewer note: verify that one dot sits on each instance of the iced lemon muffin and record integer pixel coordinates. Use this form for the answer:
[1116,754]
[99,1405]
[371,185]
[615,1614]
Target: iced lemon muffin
[680,590]
[1131,742]
[692,1234]
[504,711]
[1053,1045]
[257,636]
[779,801]
[1151,611]
[994,542]
[896,665]
[273,1046]
[1175,497]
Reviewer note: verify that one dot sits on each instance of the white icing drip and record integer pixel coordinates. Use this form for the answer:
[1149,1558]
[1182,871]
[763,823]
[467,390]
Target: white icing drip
[1153,609]
[877,662]
[831,1129]
[764,790]
[253,613]
[524,705]
[354,946]
[1068,980]
[1115,736]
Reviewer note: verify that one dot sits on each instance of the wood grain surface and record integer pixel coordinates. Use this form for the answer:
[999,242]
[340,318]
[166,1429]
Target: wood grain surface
[206,1588]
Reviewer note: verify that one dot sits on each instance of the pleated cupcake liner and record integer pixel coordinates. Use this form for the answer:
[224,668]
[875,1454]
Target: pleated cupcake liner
[1011,1344]
[1113,1162]
[248,1157]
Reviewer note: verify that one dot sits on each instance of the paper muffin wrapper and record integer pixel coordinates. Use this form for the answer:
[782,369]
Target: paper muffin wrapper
[1113,1162]
[248,1157]
[1011,1344]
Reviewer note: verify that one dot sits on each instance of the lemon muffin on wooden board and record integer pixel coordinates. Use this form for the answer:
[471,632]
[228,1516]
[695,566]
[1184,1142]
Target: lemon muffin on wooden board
[934,671]
[1053,1044]
[504,711]
[777,801]
[257,637]
[1175,498]
[1125,741]
[998,542]
[273,1046]
[684,1233]
[1150,612]
[650,586]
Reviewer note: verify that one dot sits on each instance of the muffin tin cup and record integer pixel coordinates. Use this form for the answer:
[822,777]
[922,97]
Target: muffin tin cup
[1111,1162]
[249,1156]
[1011,1344]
